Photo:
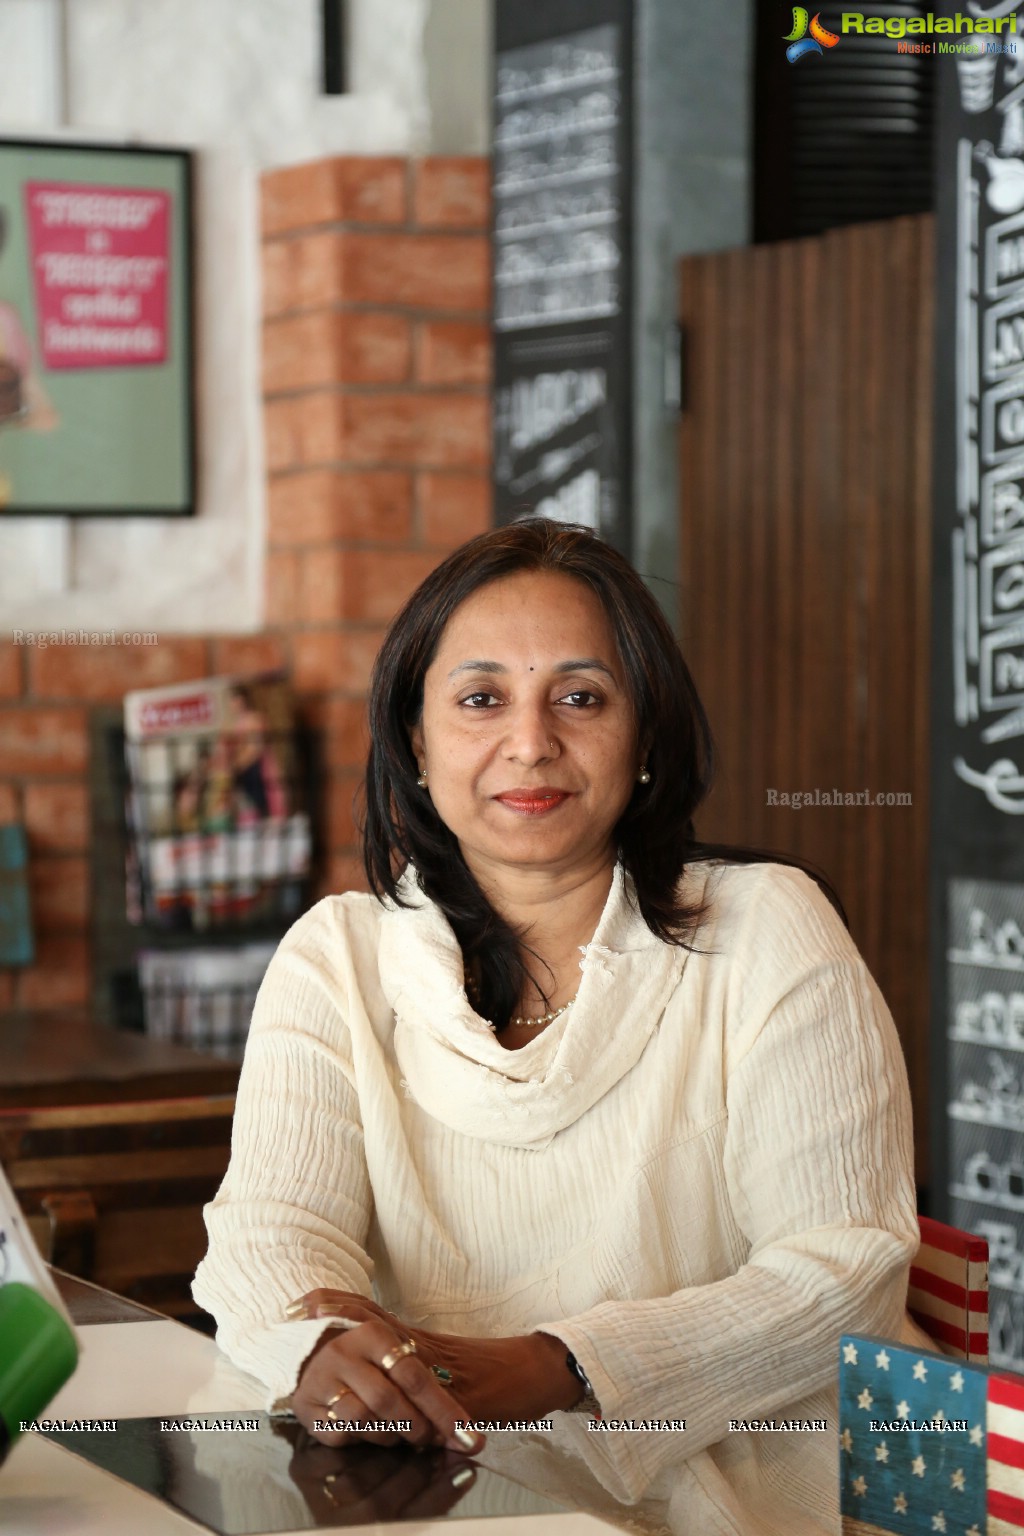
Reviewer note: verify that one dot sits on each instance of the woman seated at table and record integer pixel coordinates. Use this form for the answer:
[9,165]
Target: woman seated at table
[573,1107]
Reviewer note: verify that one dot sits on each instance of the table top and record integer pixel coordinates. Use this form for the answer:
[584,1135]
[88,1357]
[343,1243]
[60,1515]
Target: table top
[161,1372]
[88,1303]
[194,1453]
[68,1057]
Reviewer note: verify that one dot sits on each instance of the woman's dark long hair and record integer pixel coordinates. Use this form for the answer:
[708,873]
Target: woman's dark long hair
[654,835]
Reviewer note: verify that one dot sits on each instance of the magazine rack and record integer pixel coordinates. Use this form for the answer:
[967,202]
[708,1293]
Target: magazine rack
[210,866]
[202,997]
[186,964]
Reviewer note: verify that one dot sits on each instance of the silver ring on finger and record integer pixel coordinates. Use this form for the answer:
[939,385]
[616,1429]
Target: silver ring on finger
[391,1359]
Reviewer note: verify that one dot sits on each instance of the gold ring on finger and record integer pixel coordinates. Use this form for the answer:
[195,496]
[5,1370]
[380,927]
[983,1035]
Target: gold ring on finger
[391,1359]
[329,1405]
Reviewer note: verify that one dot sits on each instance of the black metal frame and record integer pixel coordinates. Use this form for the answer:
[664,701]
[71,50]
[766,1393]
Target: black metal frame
[334,28]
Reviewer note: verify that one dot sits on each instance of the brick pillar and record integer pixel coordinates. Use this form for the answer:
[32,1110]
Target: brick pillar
[376,375]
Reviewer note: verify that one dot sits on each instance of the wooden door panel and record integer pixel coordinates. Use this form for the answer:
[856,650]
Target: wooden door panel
[805,449]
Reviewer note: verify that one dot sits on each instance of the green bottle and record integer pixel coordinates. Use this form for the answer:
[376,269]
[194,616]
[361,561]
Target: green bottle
[38,1353]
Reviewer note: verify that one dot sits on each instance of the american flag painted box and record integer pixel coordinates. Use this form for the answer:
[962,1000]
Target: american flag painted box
[927,1444]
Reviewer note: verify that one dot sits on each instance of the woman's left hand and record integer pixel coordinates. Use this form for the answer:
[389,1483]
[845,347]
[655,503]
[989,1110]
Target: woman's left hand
[521,1377]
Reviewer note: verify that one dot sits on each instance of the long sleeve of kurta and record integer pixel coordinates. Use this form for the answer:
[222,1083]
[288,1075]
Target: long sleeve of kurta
[295,1206]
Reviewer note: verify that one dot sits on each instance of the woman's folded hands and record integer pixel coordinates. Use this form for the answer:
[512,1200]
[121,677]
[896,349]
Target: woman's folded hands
[377,1379]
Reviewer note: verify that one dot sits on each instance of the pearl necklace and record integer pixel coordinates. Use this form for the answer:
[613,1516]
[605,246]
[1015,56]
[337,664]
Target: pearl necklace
[547,1018]
[519,1022]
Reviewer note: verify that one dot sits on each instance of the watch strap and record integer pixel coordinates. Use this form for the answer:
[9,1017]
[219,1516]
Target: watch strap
[588,1403]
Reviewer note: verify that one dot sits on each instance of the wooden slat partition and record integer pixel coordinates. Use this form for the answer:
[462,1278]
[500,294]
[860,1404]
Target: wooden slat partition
[805,524]
[114,1192]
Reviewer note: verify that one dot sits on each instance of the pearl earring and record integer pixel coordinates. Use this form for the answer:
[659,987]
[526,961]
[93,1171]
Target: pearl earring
[643,777]
[421,782]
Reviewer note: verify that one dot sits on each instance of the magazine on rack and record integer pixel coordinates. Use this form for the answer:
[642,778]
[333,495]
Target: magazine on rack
[202,997]
[219,832]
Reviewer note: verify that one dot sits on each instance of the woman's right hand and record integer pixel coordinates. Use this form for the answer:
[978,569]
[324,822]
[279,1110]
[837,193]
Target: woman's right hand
[345,1384]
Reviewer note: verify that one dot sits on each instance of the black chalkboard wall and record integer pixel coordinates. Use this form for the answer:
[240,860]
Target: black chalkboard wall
[562,167]
[977,835]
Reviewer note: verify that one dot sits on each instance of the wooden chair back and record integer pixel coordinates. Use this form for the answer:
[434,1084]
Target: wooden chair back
[948,1295]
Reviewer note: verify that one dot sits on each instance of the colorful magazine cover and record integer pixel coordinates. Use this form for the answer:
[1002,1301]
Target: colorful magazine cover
[219,830]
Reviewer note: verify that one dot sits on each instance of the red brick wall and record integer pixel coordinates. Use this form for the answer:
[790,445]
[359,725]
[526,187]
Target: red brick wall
[376,382]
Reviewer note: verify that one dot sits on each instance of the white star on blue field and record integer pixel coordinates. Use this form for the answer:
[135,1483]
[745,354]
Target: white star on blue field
[914,1481]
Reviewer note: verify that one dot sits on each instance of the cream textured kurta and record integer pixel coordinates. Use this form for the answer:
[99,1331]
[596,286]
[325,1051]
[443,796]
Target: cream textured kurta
[697,1176]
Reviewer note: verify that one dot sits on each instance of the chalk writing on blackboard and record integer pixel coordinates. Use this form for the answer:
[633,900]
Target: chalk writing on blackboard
[1002,499]
[988,1180]
[1002,595]
[994,1018]
[556,174]
[1006,1329]
[985,1112]
[1003,347]
[988,538]
[1002,781]
[1005,1257]
[546,437]
[997,1101]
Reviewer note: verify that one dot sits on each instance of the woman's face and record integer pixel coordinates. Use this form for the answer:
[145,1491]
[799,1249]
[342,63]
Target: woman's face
[527,733]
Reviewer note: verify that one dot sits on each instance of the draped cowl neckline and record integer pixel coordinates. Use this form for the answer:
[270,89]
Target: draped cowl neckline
[455,1069]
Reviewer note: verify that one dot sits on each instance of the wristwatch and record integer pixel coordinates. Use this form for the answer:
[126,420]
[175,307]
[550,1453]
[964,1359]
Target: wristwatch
[588,1403]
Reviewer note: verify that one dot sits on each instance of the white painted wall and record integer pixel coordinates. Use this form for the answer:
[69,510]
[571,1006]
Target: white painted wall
[239,82]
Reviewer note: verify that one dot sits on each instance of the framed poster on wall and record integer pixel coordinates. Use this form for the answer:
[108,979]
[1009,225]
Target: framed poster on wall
[96,369]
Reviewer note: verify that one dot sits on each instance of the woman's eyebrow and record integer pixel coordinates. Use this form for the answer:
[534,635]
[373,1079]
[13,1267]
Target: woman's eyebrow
[477,666]
[586,664]
[577,664]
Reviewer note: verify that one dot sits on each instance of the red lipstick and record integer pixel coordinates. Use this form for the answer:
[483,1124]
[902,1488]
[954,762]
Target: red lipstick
[533,802]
